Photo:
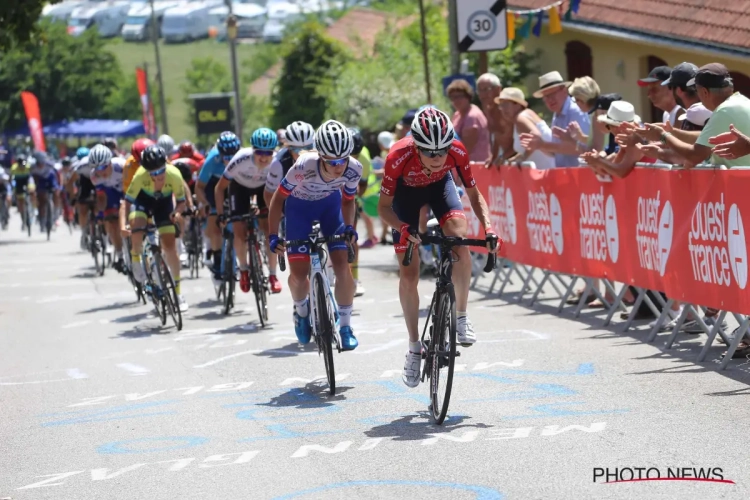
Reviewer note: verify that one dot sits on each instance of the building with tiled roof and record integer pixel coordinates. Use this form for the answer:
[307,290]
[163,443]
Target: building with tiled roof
[619,41]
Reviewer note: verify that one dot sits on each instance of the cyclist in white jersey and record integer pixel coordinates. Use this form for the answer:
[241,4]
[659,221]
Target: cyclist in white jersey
[312,190]
[246,177]
[106,175]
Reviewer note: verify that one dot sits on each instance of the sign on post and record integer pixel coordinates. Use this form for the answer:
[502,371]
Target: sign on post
[482,25]
[213,115]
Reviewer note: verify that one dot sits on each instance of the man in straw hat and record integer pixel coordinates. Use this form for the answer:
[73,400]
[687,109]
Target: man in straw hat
[553,90]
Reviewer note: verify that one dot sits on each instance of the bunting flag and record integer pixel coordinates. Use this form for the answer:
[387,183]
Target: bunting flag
[553,13]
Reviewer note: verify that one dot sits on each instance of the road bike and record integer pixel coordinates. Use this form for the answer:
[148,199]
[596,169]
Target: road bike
[323,308]
[194,244]
[47,221]
[255,250]
[439,333]
[159,282]
[140,293]
[4,212]
[228,270]
[97,240]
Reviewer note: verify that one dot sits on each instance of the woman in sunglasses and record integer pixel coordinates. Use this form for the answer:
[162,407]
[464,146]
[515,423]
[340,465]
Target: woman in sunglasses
[298,138]
[158,191]
[245,176]
[107,177]
[418,172]
[312,190]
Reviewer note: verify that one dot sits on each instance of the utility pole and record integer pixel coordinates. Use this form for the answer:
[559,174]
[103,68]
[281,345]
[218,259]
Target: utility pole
[232,35]
[425,53]
[453,36]
[162,102]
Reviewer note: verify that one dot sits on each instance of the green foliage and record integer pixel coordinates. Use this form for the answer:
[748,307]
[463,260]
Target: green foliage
[18,20]
[264,56]
[257,112]
[73,77]
[311,59]
[399,7]
[124,102]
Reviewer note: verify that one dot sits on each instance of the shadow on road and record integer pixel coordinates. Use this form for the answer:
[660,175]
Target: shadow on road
[288,351]
[420,426]
[314,395]
[111,307]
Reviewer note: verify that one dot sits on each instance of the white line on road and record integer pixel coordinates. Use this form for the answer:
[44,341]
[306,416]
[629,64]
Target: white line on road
[72,373]
[75,373]
[382,347]
[134,369]
[75,324]
[224,358]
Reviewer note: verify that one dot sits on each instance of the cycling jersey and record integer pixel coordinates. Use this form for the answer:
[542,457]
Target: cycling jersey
[143,185]
[114,180]
[128,171]
[83,168]
[196,157]
[305,182]
[188,168]
[282,162]
[243,170]
[403,163]
[45,178]
[213,167]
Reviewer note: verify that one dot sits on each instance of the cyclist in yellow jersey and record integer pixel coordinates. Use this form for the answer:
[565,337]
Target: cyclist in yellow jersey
[20,173]
[157,190]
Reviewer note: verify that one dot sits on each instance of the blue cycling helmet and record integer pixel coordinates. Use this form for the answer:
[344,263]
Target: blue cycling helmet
[228,143]
[82,153]
[264,138]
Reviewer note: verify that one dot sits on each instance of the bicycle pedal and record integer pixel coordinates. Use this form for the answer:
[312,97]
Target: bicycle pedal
[464,345]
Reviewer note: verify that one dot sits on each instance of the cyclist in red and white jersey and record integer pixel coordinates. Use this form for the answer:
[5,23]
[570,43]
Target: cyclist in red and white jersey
[419,171]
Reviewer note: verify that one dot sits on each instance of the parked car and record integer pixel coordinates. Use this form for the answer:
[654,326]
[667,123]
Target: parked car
[187,22]
[251,18]
[107,17]
[138,24]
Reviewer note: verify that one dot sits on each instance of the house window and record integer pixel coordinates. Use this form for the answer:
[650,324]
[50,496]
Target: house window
[741,83]
[579,60]
[657,115]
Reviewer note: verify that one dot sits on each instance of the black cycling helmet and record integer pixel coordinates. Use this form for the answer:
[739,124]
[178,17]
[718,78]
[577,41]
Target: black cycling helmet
[111,143]
[66,162]
[153,158]
[359,143]
[21,159]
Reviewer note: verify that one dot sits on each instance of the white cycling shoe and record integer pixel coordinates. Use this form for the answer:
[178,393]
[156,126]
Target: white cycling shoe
[412,369]
[465,331]
[182,303]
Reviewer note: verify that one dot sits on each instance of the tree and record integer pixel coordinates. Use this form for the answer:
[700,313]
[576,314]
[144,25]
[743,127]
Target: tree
[18,19]
[204,76]
[124,102]
[310,58]
[71,76]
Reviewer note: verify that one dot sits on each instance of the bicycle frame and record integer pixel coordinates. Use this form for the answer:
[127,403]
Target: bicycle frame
[318,258]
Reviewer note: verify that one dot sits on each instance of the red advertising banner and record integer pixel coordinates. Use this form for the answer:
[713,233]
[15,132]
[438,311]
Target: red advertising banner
[679,232]
[148,108]
[34,119]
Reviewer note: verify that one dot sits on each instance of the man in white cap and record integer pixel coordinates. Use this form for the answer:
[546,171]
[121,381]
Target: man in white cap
[553,90]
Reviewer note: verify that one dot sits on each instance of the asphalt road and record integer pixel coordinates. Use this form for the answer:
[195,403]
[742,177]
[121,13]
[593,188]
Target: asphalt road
[97,401]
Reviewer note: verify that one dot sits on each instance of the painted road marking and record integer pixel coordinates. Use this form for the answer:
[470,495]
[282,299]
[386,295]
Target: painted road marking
[72,374]
[188,391]
[75,324]
[381,347]
[133,369]
[75,373]
[224,358]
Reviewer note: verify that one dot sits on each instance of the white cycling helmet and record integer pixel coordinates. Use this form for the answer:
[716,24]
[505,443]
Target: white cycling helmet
[299,134]
[432,129]
[166,143]
[100,155]
[334,140]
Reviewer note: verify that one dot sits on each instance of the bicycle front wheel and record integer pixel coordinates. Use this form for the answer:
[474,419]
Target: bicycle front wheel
[170,294]
[50,207]
[442,352]
[324,337]
[229,279]
[259,285]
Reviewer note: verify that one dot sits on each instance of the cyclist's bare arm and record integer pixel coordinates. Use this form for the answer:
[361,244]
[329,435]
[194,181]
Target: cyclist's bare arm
[188,198]
[124,211]
[274,211]
[479,206]
[219,191]
[348,210]
[200,192]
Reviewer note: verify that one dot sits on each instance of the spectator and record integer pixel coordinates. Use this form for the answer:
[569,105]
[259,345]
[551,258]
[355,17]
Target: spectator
[733,144]
[585,92]
[696,114]
[501,129]
[402,127]
[660,96]
[513,105]
[554,91]
[469,121]
[716,91]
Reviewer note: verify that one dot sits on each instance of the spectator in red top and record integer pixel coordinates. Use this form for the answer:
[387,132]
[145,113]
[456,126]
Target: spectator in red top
[187,150]
[469,121]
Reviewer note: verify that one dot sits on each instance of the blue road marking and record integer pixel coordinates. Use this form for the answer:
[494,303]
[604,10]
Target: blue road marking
[117,447]
[100,415]
[583,369]
[549,410]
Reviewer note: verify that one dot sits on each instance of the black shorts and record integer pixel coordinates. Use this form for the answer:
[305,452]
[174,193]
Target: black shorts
[157,208]
[211,193]
[21,185]
[241,197]
[441,196]
[85,189]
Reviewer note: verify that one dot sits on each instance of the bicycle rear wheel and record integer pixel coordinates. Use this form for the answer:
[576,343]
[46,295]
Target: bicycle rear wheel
[171,301]
[29,213]
[48,216]
[157,287]
[260,287]
[229,279]
[324,336]
[102,250]
[442,352]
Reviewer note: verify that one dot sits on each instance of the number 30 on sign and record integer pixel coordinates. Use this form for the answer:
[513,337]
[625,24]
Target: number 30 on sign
[481,25]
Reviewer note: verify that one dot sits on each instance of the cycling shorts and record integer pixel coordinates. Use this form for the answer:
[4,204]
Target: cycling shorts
[211,193]
[441,196]
[240,198]
[86,188]
[300,215]
[113,200]
[157,208]
[21,185]
[46,184]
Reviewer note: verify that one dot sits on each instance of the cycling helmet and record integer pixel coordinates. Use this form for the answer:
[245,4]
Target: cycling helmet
[153,158]
[166,143]
[299,134]
[187,149]
[21,159]
[138,146]
[264,138]
[100,155]
[432,129]
[359,143]
[111,143]
[333,139]
[66,162]
[82,153]
[228,143]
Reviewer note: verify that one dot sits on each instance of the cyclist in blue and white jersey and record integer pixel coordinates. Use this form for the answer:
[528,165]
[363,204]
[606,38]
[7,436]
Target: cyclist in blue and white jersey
[245,176]
[82,175]
[312,190]
[298,139]
[212,170]
[47,184]
[106,175]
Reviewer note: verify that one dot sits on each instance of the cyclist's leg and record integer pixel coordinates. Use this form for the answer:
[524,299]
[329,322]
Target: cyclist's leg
[213,232]
[167,231]
[137,220]
[263,223]
[112,223]
[42,194]
[239,204]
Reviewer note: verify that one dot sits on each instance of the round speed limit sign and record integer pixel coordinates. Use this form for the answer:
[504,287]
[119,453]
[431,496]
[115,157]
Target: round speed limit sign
[481,25]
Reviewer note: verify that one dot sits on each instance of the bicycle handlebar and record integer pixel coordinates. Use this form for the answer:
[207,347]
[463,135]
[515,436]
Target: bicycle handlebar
[319,241]
[448,242]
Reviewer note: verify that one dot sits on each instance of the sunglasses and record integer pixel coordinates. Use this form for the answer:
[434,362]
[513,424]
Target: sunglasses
[263,152]
[101,168]
[337,163]
[157,173]
[434,153]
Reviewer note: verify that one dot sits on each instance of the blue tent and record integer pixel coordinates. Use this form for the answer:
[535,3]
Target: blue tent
[88,128]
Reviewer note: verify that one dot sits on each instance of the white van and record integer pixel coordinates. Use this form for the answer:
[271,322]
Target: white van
[107,17]
[188,21]
[279,15]
[138,24]
[61,11]
[251,18]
